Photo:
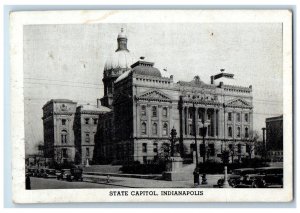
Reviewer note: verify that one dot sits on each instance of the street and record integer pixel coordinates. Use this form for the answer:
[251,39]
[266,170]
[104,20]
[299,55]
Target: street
[43,183]
[100,181]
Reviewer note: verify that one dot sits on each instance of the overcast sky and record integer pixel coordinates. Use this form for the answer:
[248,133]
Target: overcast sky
[67,61]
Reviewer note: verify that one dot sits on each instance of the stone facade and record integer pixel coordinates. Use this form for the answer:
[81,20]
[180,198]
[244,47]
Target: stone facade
[146,104]
[58,120]
[69,130]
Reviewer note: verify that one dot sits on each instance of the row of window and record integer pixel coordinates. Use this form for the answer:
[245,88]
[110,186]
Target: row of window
[238,132]
[208,133]
[155,147]
[65,152]
[238,117]
[64,135]
[86,121]
[154,111]
[165,131]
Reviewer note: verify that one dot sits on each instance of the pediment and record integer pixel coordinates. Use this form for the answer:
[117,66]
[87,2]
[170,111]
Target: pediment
[154,95]
[238,103]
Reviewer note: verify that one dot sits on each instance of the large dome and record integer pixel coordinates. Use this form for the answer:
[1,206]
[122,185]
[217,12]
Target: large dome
[121,59]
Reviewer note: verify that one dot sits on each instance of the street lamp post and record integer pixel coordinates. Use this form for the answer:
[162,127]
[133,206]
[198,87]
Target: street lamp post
[196,171]
[173,137]
[195,135]
[203,133]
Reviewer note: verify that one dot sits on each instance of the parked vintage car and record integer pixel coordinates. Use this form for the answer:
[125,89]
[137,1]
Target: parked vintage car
[40,173]
[49,173]
[65,174]
[77,174]
[70,174]
[32,172]
[247,181]
[236,177]
[268,177]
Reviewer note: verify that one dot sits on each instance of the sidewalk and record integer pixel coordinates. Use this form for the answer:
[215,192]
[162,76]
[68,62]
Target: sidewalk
[131,182]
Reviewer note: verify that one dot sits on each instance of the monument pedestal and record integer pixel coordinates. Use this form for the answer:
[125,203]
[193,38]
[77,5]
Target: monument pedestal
[174,170]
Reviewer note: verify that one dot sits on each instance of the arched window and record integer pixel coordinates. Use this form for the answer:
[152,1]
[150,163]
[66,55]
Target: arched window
[165,112]
[230,131]
[246,132]
[238,134]
[143,110]
[154,129]
[154,111]
[144,128]
[64,134]
[165,129]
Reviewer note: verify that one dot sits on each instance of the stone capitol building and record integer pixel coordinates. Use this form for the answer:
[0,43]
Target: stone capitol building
[140,106]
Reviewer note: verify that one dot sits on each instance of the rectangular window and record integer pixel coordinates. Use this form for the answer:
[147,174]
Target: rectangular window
[230,131]
[211,149]
[238,117]
[208,130]
[87,137]
[95,120]
[191,129]
[63,122]
[144,128]
[155,147]
[87,152]
[64,153]
[239,148]
[143,110]
[144,147]
[202,150]
[229,116]
[248,148]
[63,138]
[87,120]
[246,118]
[165,112]
[145,159]
[154,111]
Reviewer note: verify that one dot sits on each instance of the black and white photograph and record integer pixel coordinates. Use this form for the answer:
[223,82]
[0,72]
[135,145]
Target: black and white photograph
[179,107]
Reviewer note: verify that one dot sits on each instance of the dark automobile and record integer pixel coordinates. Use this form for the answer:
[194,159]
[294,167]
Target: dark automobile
[247,180]
[32,172]
[269,177]
[236,177]
[49,173]
[76,174]
[65,174]
[40,173]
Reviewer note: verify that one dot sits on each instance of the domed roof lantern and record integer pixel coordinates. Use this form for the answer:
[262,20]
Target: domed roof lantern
[122,34]
[122,41]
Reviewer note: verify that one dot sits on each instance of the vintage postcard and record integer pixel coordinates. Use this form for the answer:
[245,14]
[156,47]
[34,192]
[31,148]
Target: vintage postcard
[152,106]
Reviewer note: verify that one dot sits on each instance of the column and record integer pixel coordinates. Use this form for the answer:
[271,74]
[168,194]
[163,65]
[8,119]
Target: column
[242,126]
[149,110]
[250,121]
[171,124]
[159,125]
[215,123]
[136,120]
[233,123]
[197,120]
[186,120]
